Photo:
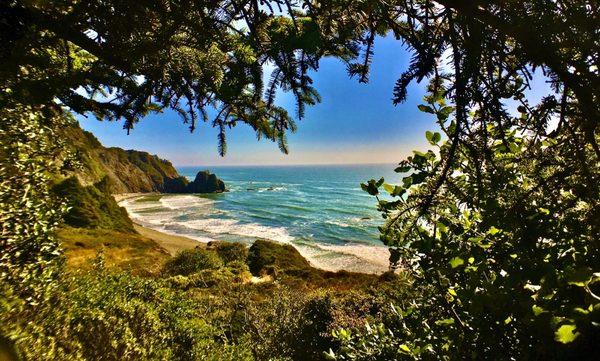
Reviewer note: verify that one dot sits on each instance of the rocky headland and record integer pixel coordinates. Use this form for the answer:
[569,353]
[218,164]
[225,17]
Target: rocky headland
[131,171]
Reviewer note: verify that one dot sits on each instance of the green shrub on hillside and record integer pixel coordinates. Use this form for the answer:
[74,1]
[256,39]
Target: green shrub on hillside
[92,206]
[191,261]
[106,316]
[230,251]
[270,257]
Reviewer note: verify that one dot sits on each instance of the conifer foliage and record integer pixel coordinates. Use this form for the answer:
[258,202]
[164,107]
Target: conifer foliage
[498,222]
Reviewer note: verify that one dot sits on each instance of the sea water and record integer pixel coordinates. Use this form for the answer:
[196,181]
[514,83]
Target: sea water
[321,210]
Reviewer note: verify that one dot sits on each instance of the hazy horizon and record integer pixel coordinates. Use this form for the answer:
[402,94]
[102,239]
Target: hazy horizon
[283,165]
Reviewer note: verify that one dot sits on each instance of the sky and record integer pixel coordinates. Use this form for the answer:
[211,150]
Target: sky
[354,123]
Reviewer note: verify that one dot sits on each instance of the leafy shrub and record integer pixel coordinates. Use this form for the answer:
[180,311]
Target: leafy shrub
[115,316]
[504,246]
[29,211]
[270,257]
[93,206]
[230,251]
[193,260]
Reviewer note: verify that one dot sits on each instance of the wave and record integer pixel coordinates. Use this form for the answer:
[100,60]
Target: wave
[218,226]
[349,257]
[185,201]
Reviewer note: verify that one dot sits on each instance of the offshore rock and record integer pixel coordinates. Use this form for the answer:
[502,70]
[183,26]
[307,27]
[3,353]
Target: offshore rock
[205,182]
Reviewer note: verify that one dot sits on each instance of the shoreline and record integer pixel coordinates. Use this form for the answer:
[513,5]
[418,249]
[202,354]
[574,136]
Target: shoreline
[171,243]
[175,243]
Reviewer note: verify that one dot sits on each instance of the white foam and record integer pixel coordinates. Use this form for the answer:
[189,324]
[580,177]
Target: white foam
[194,237]
[229,226]
[351,257]
[133,206]
[338,223]
[184,201]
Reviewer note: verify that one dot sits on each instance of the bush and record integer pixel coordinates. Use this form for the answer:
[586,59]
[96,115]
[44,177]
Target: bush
[192,261]
[230,251]
[93,206]
[116,316]
[270,257]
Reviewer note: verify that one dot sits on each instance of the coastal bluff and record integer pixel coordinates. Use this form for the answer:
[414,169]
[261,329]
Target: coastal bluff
[130,171]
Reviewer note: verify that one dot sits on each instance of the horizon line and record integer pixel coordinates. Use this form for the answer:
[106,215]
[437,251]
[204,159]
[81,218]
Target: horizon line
[281,165]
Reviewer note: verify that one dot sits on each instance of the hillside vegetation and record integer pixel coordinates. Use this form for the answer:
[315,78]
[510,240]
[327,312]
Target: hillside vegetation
[129,171]
[495,222]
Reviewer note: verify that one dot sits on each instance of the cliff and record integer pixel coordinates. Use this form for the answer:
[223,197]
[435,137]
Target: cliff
[129,171]
[95,172]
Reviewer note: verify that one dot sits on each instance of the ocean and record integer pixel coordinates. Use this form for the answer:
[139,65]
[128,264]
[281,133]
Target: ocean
[319,209]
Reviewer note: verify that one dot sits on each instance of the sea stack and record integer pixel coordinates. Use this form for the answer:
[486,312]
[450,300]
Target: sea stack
[205,182]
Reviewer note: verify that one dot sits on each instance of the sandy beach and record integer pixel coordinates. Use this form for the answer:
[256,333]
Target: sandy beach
[173,244]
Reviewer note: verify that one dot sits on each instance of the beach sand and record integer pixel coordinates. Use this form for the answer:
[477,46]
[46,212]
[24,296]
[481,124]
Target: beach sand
[173,244]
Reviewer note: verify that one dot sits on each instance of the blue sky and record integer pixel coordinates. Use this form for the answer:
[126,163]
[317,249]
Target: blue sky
[354,123]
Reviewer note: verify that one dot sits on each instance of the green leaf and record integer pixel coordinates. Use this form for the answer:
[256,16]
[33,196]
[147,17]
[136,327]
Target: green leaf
[389,188]
[330,355]
[426,109]
[372,187]
[403,169]
[429,136]
[442,227]
[404,348]
[475,239]
[566,334]
[445,322]
[456,262]
[444,113]
[537,310]
[544,211]
[493,230]
[433,138]
[419,177]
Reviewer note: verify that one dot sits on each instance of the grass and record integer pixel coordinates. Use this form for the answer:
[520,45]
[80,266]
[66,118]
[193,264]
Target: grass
[128,251]
[93,206]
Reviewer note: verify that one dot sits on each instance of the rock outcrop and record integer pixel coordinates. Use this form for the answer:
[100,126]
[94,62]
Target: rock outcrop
[205,182]
[129,171]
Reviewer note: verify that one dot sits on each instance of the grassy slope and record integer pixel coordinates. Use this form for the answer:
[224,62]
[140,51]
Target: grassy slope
[132,252]
[146,253]
[92,206]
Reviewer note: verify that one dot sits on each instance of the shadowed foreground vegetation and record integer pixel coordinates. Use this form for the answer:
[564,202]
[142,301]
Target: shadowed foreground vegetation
[496,224]
[131,300]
